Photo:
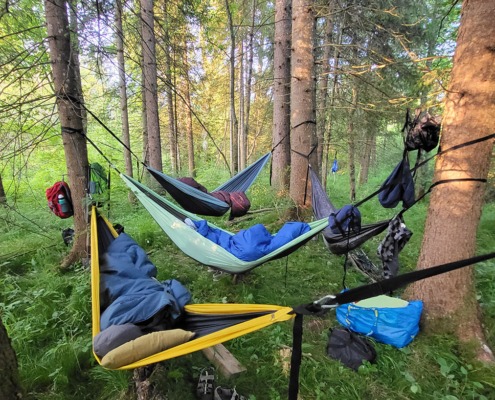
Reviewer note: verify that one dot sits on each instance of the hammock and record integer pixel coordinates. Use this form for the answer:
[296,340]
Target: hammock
[339,243]
[212,323]
[171,219]
[196,201]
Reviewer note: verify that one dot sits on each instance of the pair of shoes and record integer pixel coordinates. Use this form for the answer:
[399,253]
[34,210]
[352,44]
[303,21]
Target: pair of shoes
[227,394]
[204,390]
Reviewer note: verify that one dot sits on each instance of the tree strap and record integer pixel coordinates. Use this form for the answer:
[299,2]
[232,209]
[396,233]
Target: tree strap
[319,308]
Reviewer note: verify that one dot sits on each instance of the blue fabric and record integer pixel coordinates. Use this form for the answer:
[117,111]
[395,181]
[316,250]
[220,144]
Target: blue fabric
[348,218]
[335,166]
[399,186]
[394,326]
[252,243]
[127,281]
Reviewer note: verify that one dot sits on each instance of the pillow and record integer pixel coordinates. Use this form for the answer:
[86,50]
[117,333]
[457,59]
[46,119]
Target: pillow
[114,336]
[145,346]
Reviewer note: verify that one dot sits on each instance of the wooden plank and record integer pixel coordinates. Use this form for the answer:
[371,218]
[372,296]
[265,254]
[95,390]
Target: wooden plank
[224,360]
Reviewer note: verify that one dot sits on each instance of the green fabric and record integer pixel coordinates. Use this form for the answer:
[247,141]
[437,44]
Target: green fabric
[382,301]
[194,244]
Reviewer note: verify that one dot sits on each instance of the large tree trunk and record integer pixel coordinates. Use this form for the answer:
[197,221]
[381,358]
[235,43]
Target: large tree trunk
[122,89]
[150,84]
[302,97]
[10,388]
[281,96]
[455,208]
[70,116]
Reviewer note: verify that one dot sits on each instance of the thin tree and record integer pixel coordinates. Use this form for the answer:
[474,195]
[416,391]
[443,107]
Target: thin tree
[303,101]
[281,96]
[3,196]
[188,113]
[70,116]
[126,139]
[234,159]
[455,207]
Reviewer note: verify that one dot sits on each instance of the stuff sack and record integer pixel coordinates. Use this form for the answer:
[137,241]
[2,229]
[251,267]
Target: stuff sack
[423,132]
[347,219]
[350,348]
[386,319]
[60,200]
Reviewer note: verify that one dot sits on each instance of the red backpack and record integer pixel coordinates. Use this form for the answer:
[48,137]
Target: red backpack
[59,200]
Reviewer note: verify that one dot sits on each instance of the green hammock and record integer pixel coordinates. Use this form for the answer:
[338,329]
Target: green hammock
[171,219]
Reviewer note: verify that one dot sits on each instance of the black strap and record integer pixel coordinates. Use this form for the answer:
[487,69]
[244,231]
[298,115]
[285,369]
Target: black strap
[295,361]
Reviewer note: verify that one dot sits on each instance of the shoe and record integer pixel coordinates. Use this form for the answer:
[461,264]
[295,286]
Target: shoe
[204,390]
[227,394]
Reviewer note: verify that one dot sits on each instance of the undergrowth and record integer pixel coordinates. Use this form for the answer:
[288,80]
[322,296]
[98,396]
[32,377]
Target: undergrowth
[47,312]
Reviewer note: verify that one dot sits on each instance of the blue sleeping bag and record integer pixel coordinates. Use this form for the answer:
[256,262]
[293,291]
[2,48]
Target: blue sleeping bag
[129,286]
[252,243]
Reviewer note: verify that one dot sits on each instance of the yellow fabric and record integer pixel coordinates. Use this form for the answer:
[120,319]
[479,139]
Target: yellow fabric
[144,346]
[276,314]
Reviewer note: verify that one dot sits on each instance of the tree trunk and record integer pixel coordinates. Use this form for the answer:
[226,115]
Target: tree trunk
[242,141]
[10,388]
[3,196]
[455,207]
[168,90]
[188,115]
[150,84]
[122,89]
[234,159]
[70,116]
[249,80]
[370,138]
[303,101]
[281,96]
[322,115]
[351,142]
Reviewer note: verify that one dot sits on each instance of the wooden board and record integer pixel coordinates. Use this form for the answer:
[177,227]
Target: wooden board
[224,360]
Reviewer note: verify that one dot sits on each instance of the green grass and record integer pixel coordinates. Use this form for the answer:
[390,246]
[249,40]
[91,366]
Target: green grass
[47,312]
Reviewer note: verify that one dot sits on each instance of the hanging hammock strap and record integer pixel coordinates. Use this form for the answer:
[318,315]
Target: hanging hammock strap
[320,307]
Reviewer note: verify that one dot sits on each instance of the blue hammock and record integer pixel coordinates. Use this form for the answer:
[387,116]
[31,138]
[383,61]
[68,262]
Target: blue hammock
[201,203]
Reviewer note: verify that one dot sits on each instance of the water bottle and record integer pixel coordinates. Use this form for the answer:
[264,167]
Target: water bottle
[64,205]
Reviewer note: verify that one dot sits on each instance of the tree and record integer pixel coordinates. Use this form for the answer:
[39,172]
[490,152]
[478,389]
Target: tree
[281,95]
[10,388]
[455,207]
[302,98]
[70,115]
[122,88]
[150,84]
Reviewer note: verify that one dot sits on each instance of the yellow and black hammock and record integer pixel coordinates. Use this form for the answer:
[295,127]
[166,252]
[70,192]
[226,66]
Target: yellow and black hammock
[211,323]
[217,323]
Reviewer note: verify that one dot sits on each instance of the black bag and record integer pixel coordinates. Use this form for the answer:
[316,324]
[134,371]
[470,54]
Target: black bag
[423,132]
[350,348]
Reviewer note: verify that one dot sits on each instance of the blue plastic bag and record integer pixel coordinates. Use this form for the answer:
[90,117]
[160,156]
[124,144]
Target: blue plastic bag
[389,325]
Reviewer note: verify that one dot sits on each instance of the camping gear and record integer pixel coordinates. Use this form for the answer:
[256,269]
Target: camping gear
[60,200]
[171,219]
[399,186]
[423,132]
[204,390]
[197,201]
[386,319]
[350,348]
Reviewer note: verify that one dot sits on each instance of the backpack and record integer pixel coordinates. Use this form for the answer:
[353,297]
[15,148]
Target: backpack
[350,348]
[422,133]
[60,200]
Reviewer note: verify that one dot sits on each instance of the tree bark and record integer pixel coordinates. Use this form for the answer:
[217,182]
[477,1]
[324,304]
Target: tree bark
[281,96]
[71,121]
[10,388]
[351,142]
[188,115]
[3,196]
[124,115]
[303,101]
[242,141]
[455,207]
[234,159]
[150,84]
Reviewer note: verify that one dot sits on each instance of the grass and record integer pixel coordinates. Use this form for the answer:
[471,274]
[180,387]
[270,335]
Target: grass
[47,312]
